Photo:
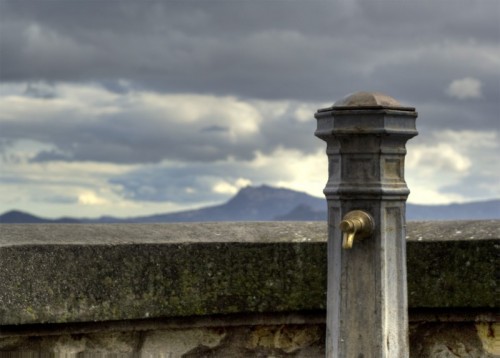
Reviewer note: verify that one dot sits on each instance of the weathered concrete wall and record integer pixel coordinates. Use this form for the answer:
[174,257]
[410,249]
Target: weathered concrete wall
[73,273]
[227,289]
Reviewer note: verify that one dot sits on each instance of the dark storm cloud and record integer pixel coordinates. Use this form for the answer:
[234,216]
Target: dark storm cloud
[44,91]
[58,199]
[277,50]
[149,133]
[178,184]
[313,50]
[131,140]
[215,128]
[187,183]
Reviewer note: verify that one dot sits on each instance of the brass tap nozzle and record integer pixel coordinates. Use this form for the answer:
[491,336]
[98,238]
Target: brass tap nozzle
[356,224]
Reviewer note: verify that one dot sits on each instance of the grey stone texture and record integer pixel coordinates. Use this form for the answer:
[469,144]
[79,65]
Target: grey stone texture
[427,339]
[367,310]
[241,341]
[145,290]
[141,271]
[83,273]
[372,100]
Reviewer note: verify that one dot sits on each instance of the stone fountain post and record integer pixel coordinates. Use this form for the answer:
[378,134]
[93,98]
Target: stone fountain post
[366,193]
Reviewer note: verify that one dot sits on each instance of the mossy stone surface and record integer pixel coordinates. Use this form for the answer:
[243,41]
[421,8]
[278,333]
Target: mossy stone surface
[85,273]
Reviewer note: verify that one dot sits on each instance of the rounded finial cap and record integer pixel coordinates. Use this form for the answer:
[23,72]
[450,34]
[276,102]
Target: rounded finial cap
[367,99]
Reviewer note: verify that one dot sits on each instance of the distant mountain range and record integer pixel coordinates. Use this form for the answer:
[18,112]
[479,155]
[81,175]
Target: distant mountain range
[265,203]
[20,217]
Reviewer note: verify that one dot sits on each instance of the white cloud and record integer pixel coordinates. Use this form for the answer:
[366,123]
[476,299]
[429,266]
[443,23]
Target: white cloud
[484,141]
[91,198]
[87,122]
[465,88]
[441,156]
[453,166]
[224,187]
[439,169]
[421,193]
[295,170]
[305,112]
[55,189]
[185,105]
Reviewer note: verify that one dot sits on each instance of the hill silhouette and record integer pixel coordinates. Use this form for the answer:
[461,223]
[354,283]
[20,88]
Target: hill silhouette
[266,203]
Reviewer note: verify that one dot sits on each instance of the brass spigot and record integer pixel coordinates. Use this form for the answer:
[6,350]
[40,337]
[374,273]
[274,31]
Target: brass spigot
[356,224]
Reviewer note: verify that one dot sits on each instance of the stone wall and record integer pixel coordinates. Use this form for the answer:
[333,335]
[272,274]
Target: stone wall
[226,290]
[427,339]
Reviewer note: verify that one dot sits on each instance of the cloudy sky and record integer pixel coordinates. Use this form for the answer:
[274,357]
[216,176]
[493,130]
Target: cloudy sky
[140,107]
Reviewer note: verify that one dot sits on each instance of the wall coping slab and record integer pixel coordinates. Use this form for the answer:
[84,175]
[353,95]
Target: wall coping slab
[70,273]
